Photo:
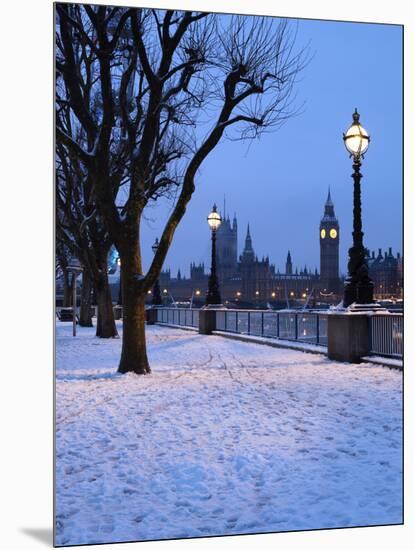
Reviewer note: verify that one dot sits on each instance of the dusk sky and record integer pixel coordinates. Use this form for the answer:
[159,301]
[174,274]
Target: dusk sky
[279,183]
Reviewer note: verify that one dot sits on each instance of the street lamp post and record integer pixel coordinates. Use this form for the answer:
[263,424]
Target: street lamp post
[120,282]
[358,287]
[213,294]
[156,292]
[75,268]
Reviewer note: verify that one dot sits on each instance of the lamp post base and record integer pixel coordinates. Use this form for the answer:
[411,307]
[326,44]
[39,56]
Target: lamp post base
[350,292]
[358,292]
[213,297]
[365,291]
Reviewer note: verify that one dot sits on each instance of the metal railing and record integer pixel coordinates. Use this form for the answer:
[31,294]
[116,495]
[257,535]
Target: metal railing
[187,317]
[309,327]
[386,334]
[385,329]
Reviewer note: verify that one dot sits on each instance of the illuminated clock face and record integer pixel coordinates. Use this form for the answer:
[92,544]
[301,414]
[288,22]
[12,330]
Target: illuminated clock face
[323,233]
[333,233]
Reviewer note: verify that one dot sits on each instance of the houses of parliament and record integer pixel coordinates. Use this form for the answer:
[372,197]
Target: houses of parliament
[247,280]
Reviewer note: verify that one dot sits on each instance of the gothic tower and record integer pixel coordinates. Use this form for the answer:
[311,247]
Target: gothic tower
[329,247]
[289,264]
[247,269]
[248,252]
[226,248]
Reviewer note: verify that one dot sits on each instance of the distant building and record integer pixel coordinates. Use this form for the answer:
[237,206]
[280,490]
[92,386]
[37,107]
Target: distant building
[387,273]
[256,275]
[226,249]
[329,249]
[260,282]
[248,280]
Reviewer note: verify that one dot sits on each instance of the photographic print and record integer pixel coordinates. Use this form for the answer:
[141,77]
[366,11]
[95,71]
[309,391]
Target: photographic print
[229,274]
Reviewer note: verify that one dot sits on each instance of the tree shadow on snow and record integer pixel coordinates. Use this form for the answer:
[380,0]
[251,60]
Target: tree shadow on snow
[154,346]
[85,377]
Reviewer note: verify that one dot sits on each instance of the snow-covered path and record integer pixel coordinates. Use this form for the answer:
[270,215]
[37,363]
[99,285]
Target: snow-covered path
[224,437]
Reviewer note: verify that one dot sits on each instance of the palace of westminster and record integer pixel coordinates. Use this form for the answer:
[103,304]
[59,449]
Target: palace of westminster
[247,280]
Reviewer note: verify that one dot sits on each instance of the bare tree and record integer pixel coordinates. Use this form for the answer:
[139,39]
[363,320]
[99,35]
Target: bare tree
[62,262]
[176,83]
[82,231]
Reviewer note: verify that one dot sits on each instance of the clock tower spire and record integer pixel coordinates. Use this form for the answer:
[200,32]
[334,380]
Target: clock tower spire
[329,248]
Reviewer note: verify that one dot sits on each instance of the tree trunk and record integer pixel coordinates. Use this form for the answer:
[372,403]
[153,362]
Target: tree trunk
[105,325]
[67,289]
[85,317]
[134,348]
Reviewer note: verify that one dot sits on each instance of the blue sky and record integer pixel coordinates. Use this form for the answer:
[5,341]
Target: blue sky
[279,183]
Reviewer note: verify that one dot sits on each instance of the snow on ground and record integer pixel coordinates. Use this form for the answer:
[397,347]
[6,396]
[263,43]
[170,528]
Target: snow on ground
[224,437]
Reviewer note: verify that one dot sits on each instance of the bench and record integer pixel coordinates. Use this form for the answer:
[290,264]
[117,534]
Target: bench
[66,315]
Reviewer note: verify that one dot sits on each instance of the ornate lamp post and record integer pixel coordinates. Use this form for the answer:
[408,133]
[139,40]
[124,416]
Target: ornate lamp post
[156,292]
[213,293]
[358,286]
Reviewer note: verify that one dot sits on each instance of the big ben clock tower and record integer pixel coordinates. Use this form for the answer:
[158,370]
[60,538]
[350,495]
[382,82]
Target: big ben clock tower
[329,245]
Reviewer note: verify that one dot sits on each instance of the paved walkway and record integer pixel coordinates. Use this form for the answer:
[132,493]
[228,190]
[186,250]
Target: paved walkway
[224,437]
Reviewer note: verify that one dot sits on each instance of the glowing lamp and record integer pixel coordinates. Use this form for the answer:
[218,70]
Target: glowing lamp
[356,138]
[214,219]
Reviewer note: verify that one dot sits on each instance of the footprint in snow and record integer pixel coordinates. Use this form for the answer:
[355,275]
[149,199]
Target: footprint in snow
[231,522]
[330,455]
